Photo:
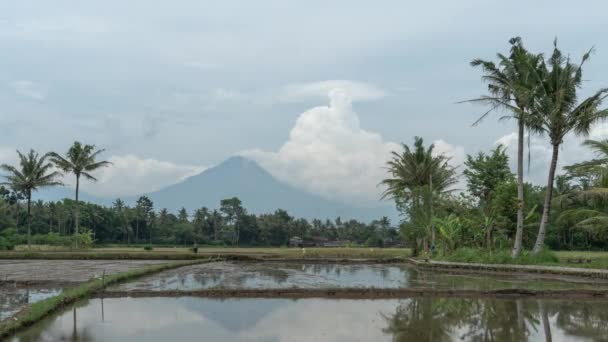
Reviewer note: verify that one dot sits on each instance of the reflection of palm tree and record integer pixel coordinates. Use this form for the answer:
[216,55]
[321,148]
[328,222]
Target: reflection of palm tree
[433,319]
[419,319]
[581,319]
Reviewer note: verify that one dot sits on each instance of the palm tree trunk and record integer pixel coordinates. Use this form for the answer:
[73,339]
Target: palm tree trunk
[545,319]
[520,191]
[29,219]
[540,238]
[77,208]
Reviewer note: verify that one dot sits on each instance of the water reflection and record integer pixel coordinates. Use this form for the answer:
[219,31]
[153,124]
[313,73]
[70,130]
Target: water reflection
[13,298]
[314,275]
[416,319]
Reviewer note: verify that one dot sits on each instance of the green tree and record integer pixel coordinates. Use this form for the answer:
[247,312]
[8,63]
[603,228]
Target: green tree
[80,160]
[144,207]
[233,212]
[34,172]
[484,172]
[416,176]
[512,87]
[559,113]
[182,215]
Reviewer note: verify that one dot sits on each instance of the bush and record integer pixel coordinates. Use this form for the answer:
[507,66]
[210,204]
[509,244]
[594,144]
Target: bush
[8,239]
[148,248]
[82,240]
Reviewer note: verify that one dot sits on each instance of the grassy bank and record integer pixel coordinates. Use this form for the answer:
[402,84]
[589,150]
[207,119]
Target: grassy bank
[579,259]
[44,308]
[39,252]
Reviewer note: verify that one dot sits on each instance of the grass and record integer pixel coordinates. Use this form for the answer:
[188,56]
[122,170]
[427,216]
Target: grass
[481,256]
[183,253]
[44,308]
[596,260]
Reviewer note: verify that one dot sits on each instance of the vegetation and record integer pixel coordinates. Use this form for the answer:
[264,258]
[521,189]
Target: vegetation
[498,211]
[80,160]
[34,172]
[231,225]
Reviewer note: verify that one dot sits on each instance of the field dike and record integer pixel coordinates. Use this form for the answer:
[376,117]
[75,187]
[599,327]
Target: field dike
[44,308]
[502,268]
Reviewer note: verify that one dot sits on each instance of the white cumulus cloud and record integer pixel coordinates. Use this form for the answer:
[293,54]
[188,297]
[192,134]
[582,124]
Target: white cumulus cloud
[28,89]
[571,151]
[131,175]
[328,152]
[358,91]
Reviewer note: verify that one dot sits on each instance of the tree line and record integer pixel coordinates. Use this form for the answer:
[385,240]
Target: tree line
[142,223]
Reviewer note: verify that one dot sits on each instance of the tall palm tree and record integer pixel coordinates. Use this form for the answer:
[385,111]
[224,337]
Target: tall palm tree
[80,160]
[512,87]
[560,113]
[416,175]
[34,172]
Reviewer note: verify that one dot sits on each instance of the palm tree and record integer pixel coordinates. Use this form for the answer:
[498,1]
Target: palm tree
[512,87]
[33,173]
[80,160]
[416,175]
[560,113]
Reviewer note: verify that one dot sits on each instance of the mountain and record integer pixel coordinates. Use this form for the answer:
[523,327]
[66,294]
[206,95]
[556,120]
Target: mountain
[259,191]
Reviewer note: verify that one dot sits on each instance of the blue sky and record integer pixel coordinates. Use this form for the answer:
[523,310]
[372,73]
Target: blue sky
[169,88]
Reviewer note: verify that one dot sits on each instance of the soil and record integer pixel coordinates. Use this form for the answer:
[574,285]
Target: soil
[64,271]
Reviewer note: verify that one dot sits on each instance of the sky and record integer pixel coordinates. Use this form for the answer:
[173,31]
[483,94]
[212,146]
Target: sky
[318,92]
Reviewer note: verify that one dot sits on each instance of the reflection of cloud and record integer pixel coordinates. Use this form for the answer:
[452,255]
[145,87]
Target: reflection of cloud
[324,320]
[28,89]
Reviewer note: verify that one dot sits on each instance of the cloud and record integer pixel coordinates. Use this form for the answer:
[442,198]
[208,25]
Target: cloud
[571,151]
[131,175]
[329,153]
[28,89]
[358,91]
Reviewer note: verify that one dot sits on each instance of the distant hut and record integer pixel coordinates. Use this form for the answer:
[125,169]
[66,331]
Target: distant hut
[296,241]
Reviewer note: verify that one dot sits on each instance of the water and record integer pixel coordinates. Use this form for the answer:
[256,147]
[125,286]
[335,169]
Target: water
[272,275]
[415,319]
[15,298]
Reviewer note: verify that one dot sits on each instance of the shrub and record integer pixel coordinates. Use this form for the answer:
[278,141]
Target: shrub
[8,239]
[148,248]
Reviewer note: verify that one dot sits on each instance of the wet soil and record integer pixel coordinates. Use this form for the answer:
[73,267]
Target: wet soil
[68,271]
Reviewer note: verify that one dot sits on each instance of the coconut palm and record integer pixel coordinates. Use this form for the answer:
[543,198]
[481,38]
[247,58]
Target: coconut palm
[416,175]
[80,160]
[33,173]
[560,113]
[512,87]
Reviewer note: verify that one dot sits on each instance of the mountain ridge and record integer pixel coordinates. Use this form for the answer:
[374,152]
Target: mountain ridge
[241,177]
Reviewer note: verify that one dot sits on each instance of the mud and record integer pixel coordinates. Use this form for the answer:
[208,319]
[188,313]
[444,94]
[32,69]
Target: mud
[38,272]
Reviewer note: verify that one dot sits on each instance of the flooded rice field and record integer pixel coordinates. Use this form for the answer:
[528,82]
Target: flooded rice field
[283,275]
[23,282]
[165,306]
[413,319]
